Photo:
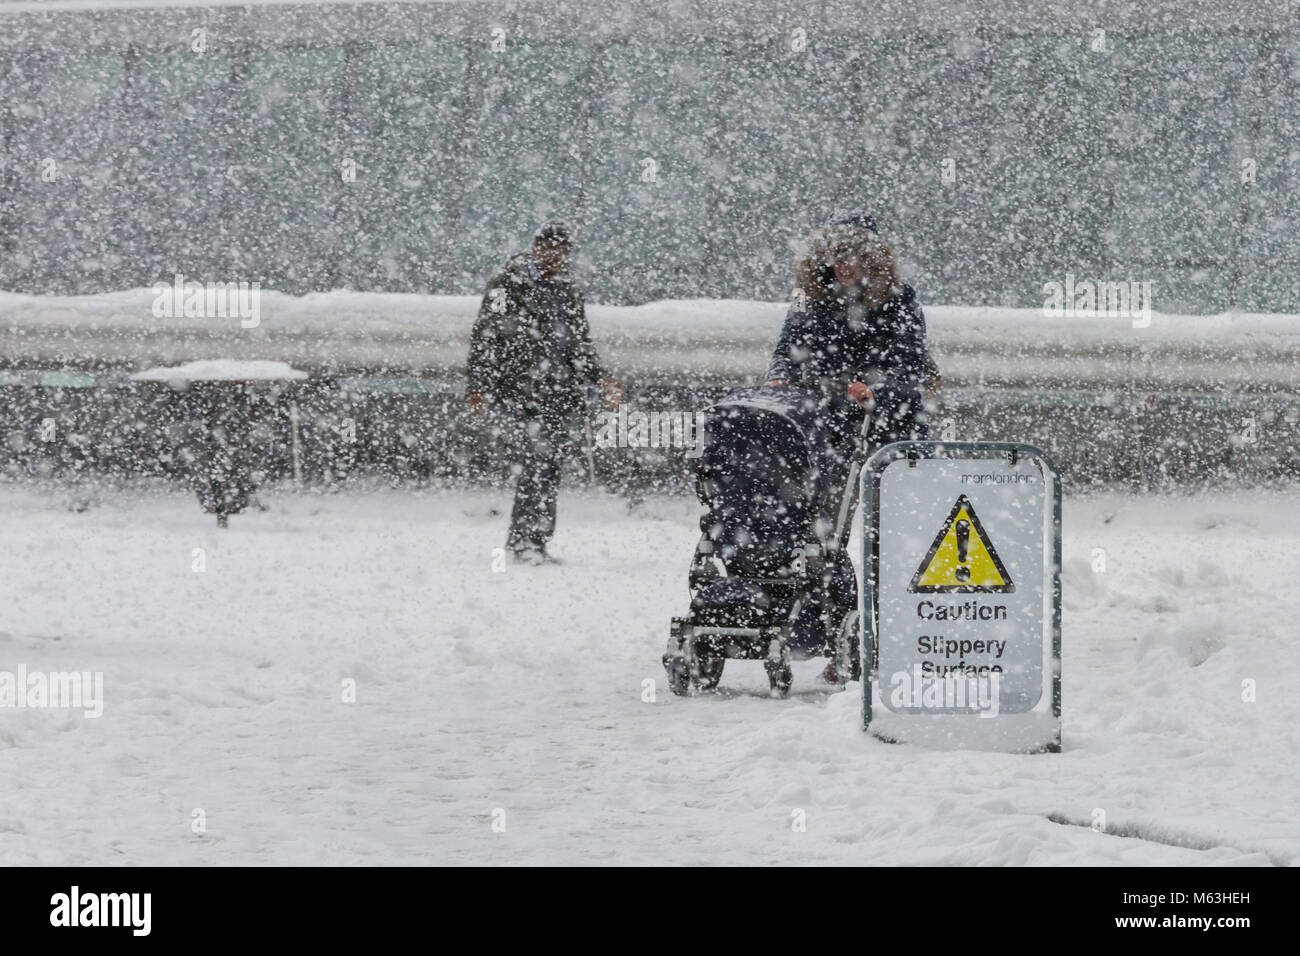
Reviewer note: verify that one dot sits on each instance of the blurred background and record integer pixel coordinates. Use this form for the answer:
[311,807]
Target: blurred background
[390,156]
[406,147]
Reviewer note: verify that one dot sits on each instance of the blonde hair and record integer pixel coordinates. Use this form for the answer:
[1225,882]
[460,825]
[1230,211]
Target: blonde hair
[846,243]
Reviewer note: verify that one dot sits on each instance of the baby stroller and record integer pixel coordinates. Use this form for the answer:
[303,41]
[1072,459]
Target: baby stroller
[771,578]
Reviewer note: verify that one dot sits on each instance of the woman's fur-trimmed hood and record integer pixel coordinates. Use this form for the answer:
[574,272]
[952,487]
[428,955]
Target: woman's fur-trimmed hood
[814,277]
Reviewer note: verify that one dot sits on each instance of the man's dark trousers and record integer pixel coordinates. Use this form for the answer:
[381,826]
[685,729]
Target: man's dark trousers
[543,442]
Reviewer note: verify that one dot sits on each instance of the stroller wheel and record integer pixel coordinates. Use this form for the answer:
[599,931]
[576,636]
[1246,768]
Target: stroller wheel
[777,665]
[679,675]
[694,668]
[709,670]
[780,677]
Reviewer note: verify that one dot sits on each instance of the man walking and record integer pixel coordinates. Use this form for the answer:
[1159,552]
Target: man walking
[531,356]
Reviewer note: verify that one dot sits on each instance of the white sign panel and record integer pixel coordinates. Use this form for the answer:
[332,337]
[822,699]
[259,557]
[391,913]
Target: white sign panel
[961,582]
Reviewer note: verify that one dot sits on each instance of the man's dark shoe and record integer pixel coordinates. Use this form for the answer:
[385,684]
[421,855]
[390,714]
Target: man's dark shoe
[534,554]
[529,555]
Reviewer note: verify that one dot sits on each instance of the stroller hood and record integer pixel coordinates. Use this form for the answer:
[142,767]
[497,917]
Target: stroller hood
[764,474]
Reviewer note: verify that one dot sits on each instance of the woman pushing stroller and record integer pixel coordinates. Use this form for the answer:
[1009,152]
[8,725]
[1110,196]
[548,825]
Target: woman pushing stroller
[771,578]
[856,334]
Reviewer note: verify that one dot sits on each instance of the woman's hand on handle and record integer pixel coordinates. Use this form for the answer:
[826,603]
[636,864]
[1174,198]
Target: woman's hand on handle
[860,392]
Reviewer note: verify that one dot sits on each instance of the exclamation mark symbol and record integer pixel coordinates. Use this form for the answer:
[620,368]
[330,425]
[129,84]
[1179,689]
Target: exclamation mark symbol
[962,528]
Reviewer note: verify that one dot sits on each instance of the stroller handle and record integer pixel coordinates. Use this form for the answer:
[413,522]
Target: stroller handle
[869,406]
[839,539]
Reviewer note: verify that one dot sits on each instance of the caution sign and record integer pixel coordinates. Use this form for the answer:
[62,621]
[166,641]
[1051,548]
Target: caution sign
[955,652]
[962,557]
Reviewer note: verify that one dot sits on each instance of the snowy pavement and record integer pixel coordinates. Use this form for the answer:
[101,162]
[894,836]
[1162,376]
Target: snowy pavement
[480,691]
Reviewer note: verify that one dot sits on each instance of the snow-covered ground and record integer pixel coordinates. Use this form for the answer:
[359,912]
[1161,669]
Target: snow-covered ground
[522,691]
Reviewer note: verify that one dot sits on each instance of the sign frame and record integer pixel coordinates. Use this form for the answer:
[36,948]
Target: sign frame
[868,604]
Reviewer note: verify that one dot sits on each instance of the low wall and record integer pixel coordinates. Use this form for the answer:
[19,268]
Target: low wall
[1181,400]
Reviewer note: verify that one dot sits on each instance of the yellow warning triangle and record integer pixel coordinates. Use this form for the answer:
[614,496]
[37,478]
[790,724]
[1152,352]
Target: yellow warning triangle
[962,557]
